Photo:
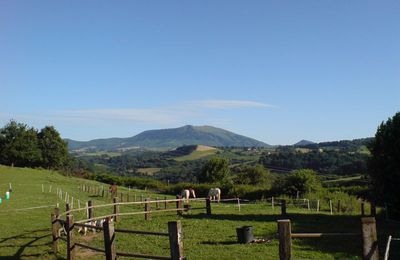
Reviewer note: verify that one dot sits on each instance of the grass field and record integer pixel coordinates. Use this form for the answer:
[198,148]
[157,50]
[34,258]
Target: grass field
[195,155]
[344,179]
[25,233]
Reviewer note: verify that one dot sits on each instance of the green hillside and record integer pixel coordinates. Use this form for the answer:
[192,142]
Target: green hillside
[25,218]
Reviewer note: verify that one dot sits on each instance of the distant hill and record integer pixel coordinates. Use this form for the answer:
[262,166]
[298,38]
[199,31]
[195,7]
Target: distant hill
[342,144]
[170,138]
[303,143]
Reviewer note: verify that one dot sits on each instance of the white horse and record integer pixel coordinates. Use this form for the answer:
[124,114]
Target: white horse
[187,193]
[94,223]
[215,194]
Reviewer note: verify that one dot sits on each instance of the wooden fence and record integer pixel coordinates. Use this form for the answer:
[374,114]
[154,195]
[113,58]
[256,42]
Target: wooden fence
[368,234]
[283,205]
[102,191]
[174,227]
[160,206]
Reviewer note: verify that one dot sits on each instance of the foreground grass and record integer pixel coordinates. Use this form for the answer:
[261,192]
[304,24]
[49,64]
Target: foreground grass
[26,233]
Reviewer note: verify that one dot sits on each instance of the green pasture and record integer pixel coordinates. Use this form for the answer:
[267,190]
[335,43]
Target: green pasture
[25,230]
[195,155]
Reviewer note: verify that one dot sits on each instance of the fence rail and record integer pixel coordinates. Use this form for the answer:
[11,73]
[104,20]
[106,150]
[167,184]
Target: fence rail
[174,228]
[314,235]
[90,207]
[368,234]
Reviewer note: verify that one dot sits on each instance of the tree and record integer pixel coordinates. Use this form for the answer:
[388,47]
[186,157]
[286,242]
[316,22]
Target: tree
[215,170]
[54,149]
[384,164]
[19,145]
[254,175]
[302,181]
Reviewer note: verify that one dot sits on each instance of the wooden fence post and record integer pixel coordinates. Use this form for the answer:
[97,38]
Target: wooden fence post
[272,204]
[175,240]
[67,208]
[147,209]
[69,226]
[179,204]
[317,205]
[362,209]
[90,209]
[386,211]
[55,226]
[370,240]
[373,209]
[165,202]
[109,240]
[116,209]
[285,239]
[283,207]
[208,206]
[330,206]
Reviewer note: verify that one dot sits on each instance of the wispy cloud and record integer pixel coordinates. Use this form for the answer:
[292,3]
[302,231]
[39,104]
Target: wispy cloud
[229,104]
[151,115]
[169,115]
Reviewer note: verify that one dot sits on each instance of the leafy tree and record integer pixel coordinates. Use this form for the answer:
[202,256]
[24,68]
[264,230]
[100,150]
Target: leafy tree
[215,170]
[254,175]
[384,164]
[19,145]
[54,149]
[302,181]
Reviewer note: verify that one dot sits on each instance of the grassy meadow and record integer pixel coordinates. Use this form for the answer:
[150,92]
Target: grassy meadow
[25,225]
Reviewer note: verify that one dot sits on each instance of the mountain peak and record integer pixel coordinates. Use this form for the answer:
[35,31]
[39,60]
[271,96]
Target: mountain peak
[303,143]
[174,137]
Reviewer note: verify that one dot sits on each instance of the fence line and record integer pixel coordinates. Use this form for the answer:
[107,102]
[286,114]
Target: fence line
[92,207]
[387,249]
[174,234]
[307,202]
[368,233]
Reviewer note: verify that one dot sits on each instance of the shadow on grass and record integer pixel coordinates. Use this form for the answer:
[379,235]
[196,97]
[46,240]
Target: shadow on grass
[24,241]
[95,196]
[340,246]
[225,243]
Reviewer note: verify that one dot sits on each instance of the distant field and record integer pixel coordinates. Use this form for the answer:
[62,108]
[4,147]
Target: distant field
[201,151]
[25,231]
[100,153]
[344,179]
[148,171]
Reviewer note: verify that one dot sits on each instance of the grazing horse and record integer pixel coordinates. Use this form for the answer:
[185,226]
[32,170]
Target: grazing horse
[187,193]
[214,194]
[94,223]
[113,190]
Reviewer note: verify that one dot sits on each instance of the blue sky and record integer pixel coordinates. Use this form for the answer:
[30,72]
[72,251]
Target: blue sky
[277,71]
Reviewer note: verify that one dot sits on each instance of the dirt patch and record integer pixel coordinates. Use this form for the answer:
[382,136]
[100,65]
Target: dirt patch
[204,148]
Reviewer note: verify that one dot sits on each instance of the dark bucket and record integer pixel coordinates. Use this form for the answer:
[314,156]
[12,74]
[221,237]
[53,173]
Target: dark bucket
[245,234]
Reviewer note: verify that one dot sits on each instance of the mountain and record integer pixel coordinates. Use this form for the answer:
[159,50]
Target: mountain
[303,143]
[170,138]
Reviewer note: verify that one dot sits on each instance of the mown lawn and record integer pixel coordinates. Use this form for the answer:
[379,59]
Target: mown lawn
[26,233]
